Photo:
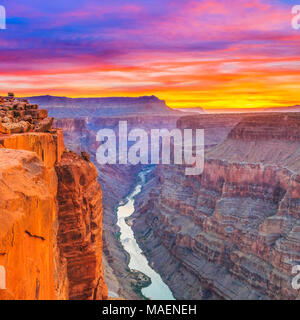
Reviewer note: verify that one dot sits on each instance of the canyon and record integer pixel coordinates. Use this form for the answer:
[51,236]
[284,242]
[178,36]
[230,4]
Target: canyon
[117,180]
[231,233]
[80,124]
[50,211]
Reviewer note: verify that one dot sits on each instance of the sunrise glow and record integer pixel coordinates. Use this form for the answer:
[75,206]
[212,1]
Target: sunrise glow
[211,54]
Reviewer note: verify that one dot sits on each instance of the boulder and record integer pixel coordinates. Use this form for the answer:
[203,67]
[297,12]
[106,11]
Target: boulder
[44,126]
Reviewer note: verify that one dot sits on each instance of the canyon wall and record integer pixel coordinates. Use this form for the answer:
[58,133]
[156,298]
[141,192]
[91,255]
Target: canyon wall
[36,225]
[80,226]
[117,180]
[233,232]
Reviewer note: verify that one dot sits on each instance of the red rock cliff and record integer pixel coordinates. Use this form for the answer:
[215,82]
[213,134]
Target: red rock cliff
[80,226]
[28,229]
[34,222]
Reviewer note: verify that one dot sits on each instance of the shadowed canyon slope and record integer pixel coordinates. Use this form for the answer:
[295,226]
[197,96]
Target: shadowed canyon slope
[42,255]
[234,231]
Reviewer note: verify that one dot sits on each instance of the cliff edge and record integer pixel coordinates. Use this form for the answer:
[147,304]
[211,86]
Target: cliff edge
[41,255]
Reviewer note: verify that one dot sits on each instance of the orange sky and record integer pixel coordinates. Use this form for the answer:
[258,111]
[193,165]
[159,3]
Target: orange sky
[191,53]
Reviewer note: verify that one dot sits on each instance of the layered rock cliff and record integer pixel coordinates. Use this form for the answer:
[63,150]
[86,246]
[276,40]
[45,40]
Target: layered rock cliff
[233,232]
[36,225]
[80,226]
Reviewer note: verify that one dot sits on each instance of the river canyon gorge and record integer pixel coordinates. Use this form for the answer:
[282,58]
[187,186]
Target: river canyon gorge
[232,232]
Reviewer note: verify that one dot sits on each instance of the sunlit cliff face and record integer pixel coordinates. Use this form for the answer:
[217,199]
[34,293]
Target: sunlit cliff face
[214,54]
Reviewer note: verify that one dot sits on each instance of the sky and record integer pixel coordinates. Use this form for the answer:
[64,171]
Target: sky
[191,53]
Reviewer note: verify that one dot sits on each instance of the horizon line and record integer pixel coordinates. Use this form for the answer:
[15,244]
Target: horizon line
[216,108]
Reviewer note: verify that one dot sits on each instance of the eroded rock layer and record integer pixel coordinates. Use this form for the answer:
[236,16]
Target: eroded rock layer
[233,232]
[80,226]
[36,261]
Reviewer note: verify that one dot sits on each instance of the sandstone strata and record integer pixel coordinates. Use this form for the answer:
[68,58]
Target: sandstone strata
[233,232]
[34,222]
[80,226]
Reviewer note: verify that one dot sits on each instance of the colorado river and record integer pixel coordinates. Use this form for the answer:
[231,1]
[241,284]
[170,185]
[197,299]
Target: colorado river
[158,290]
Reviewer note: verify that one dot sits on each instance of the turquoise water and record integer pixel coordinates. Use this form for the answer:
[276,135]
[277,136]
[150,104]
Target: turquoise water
[158,290]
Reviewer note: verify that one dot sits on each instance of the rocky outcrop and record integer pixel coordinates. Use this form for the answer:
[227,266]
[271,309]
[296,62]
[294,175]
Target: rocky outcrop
[35,240]
[80,226]
[18,116]
[233,232]
[49,147]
